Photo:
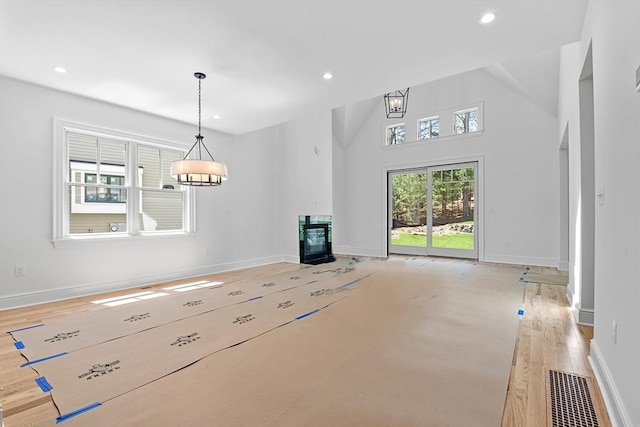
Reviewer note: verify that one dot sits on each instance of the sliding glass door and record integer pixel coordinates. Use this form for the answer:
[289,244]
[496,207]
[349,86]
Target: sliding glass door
[408,228]
[452,214]
[432,211]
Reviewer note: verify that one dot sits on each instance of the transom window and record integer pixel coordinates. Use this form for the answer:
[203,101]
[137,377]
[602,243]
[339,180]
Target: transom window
[465,121]
[444,125]
[395,134]
[428,128]
[111,184]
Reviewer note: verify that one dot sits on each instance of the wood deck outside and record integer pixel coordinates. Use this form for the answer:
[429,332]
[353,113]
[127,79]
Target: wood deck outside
[548,338]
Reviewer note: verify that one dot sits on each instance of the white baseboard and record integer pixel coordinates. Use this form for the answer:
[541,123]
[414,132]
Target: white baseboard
[50,295]
[291,258]
[355,251]
[612,400]
[502,259]
[563,265]
[518,260]
[570,295]
[584,316]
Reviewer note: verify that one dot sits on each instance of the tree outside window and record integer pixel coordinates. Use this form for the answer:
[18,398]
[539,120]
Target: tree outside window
[466,121]
[395,134]
[429,128]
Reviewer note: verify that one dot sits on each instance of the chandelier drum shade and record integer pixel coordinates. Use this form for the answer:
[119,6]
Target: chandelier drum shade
[395,104]
[199,172]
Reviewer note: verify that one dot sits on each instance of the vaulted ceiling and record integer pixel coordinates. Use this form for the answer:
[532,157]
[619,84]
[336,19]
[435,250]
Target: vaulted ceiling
[265,60]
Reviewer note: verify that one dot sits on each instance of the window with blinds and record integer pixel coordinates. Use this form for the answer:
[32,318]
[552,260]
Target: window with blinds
[116,185]
[161,200]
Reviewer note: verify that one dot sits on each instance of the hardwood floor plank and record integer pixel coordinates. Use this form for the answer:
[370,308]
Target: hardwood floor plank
[22,395]
[565,347]
[515,412]
[536,404]
[33,415]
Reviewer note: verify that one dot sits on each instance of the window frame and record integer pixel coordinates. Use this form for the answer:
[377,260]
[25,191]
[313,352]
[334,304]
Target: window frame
[446,131]
[393,126]
[84,169]
[429,119]
[466,111]
[61,184]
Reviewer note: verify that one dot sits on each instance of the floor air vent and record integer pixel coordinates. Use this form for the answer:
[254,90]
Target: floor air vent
[571,403]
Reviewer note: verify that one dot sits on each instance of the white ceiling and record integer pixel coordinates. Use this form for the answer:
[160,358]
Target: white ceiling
[264,60]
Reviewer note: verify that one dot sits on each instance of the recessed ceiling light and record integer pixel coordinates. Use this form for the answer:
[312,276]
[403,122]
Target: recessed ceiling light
[327,76]
[216,117]
[487,17]
[60,70]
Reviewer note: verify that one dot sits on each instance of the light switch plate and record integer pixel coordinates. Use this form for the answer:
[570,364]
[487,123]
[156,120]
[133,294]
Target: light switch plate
[600,196]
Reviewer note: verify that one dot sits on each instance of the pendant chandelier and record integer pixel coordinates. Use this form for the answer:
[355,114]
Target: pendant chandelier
[395,104]
[199,172]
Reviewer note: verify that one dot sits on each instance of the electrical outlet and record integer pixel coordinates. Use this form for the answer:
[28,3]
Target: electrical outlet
[614,332]
[19,270]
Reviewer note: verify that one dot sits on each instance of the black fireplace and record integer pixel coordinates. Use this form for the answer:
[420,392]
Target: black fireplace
[315,239]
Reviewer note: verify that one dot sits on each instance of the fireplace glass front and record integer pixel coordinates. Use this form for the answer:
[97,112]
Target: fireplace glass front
[315,239]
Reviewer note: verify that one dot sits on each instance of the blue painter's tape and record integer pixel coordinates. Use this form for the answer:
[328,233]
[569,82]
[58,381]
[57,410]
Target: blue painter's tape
[350,284]
[302,316]
[254,298]
[33,362]
[25,328]
[44,384]
[520,312]
[19,345]
[72,414]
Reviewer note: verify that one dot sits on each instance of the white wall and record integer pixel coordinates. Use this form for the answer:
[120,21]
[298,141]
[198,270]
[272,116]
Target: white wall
[613,29]
[569,121]
[224,214]
[518,210]
[248,226]
[340,229]
[306,184]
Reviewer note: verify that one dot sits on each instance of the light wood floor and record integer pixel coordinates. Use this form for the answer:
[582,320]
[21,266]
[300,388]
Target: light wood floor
[548,338]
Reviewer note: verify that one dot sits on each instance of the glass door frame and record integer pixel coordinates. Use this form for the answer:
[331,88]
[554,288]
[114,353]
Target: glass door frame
[401,249]
[448,252]
[478,251]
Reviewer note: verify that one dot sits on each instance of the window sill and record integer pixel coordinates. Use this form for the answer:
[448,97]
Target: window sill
[107,240]
[432,141]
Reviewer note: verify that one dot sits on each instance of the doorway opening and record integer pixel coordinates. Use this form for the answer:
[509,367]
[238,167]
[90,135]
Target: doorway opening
[432,211]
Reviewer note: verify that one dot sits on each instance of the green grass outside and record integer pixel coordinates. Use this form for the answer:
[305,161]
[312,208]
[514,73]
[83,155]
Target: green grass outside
[452,240]
[410,240]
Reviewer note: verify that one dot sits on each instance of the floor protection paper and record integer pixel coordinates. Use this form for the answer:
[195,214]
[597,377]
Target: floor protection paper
[101,372]
[64,336]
